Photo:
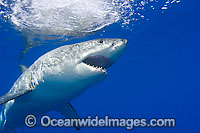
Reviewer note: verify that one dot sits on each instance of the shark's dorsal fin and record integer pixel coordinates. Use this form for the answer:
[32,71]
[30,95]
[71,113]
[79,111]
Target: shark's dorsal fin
[22,68]
[10,96]
[70,113]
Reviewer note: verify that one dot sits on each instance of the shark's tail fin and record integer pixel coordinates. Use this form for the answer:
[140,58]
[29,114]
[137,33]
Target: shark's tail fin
[3,126]
[9,122]
[2,121]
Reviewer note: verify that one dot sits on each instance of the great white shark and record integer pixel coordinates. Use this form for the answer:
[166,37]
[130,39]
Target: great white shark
[57,77]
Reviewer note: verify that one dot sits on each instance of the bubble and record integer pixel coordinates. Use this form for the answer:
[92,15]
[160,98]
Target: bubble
[71,17]
[61,20]
[62,16]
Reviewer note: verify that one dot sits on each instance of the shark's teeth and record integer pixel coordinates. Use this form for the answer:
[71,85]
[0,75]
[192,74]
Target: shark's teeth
[97,67]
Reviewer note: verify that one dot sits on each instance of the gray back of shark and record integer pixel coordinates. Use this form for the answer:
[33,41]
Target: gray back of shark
[57,77]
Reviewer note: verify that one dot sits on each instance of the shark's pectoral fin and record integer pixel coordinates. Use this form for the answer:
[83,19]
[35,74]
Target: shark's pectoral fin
[10,96]
[69,113]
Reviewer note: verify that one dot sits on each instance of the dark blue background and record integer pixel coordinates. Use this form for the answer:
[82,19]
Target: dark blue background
[157,77]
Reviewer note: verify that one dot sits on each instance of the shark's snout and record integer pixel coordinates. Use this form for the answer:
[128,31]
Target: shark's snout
[125,41]
[118,50]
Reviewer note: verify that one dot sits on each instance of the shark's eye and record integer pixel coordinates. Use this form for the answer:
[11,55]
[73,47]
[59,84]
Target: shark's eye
[101,41]
[113,44]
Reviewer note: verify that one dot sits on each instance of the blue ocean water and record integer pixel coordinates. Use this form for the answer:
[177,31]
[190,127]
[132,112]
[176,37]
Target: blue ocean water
[157,76]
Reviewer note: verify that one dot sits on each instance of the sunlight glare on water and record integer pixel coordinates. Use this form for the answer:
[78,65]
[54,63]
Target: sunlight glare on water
[62,16]
[71,17]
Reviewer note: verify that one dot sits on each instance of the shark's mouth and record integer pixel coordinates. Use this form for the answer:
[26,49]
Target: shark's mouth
[99,62]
